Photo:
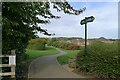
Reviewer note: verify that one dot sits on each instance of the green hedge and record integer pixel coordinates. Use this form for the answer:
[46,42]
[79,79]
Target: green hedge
[37,44]
[101,58]
[64,45]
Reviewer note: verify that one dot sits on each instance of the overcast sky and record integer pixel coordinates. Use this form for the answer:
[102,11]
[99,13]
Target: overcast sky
[104,25]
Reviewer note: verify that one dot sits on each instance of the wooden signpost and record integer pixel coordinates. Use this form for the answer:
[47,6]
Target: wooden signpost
[85,21]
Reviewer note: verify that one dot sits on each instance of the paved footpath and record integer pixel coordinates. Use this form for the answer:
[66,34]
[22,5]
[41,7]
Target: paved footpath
[48,67]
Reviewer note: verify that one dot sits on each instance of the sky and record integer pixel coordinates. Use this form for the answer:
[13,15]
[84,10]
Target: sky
[104,25]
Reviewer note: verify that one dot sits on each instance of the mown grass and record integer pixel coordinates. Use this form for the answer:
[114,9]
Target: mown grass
[64,58]
[33,54]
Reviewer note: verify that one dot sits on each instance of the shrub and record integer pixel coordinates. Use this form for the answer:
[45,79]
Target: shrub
[73,47]
[37,44]
[64,45]
[101,58]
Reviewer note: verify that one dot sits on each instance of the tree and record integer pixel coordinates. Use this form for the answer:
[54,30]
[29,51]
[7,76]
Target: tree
[37,44]
[20,24]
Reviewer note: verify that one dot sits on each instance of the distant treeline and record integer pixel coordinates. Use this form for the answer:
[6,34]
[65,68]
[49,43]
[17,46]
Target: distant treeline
[39,44]
[60,42]
[64,45]
[73,38]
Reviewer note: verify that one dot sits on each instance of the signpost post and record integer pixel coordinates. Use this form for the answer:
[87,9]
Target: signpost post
[85,21]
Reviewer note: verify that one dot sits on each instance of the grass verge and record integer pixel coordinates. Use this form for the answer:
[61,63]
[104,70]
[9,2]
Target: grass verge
[33,54]
[64,58]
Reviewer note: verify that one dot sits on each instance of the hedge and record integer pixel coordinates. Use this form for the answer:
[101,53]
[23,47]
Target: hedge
[37,44]
[101,59]
[64,45]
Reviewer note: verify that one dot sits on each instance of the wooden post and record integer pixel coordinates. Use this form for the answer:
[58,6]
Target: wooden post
[13,71]
[85,21]
[85,36]
[13,51]
[13,63]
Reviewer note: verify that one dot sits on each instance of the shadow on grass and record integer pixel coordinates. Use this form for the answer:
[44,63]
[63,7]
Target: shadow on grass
[48,48]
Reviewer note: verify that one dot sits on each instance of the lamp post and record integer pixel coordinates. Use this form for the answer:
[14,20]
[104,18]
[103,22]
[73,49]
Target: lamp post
[85,21]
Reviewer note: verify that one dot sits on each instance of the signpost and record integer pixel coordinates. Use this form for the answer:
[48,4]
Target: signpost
[85,21]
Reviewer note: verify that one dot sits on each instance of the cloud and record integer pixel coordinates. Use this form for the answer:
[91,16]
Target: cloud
[105,23]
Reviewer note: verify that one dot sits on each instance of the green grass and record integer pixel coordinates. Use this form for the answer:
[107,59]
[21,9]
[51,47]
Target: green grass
[33,54]
[64,58]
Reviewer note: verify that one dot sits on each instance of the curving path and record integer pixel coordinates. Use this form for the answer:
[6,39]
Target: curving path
[48,67]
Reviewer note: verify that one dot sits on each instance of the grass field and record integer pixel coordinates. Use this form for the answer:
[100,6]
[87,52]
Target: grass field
[33,54]
[64,58]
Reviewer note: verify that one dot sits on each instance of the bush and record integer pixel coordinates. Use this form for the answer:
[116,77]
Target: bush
[64,45]
[37,44]
[73,47]
[101,58]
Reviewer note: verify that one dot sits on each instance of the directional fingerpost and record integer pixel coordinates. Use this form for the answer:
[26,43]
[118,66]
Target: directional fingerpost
[85,21]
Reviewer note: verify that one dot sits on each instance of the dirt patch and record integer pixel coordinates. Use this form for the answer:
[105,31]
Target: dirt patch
[88,75]
[79,72]
[65,66]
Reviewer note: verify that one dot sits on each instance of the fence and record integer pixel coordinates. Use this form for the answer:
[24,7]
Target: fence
[11,64]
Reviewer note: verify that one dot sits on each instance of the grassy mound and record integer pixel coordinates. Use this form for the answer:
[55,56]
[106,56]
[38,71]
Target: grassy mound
[64,58]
